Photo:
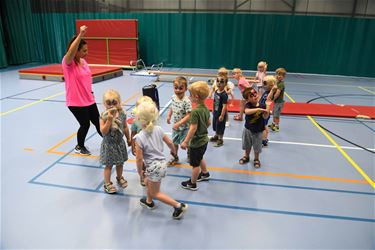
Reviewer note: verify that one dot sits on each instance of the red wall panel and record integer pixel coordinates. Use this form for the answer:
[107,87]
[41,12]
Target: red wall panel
[122,37]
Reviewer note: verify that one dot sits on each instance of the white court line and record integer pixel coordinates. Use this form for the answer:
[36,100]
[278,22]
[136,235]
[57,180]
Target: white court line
[298,143]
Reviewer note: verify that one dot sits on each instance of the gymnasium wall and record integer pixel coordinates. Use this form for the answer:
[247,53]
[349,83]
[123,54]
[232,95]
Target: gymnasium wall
[310,44]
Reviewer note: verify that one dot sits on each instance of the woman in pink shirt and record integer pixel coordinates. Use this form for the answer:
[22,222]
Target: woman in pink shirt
[78,86]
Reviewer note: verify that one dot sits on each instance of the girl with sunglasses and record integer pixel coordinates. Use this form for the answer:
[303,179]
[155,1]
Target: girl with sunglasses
[113,150]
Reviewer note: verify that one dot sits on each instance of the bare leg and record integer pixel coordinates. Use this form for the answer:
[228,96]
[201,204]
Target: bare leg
[153,190]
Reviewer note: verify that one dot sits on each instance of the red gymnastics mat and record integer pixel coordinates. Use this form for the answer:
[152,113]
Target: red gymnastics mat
[54,72]
[314,109]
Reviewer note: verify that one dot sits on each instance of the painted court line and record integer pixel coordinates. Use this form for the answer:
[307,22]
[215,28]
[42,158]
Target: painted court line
[31,104]
[349,159]
[133,170]
[224,206]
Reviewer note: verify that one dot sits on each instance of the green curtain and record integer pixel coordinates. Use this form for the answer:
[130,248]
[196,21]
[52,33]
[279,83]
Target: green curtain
[310,44]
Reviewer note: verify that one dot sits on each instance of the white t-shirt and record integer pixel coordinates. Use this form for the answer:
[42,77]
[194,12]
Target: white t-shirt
[152,144]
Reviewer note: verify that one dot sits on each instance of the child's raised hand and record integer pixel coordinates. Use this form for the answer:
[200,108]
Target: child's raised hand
[268,102]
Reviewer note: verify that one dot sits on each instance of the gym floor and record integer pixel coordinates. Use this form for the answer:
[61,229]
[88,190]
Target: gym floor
[313,191]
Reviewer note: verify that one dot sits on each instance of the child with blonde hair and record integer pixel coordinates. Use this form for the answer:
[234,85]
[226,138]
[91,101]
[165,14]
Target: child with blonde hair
[229,88]
[180,108]
[113,127]
[277,95]
[149,152]
[136,127]
[197,137]
[242,85]
[259,77]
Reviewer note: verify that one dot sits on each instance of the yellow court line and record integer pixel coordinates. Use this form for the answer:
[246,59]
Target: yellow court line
[370,91]
[60,143]
[351,161]
[30,104]
[131,97]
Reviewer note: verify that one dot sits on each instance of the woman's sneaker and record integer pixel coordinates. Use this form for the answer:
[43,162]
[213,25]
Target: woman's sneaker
[265,143]
[203,176]
[178,212]
[81,150]
[144,203]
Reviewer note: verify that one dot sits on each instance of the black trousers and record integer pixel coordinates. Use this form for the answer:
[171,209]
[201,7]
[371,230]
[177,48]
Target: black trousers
[84,116]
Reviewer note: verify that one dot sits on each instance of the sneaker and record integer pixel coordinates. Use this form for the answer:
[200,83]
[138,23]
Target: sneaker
[109,188]
[214,138]
[122,182]
[188,185]
[219,143]
[265,143]
[226,124]
[144,203]
[178,212]
[81,150]
[203,176]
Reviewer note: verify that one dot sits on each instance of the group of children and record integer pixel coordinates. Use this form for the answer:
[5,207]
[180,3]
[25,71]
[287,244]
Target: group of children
[189,130]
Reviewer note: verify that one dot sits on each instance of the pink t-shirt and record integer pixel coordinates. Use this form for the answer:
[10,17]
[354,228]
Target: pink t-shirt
[243,84]
[78,84]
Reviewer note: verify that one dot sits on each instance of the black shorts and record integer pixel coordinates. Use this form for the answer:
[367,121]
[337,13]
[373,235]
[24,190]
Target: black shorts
[196,155]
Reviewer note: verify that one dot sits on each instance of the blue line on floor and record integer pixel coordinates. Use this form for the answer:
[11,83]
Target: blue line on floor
[29,91]
[237,182]
[272,211]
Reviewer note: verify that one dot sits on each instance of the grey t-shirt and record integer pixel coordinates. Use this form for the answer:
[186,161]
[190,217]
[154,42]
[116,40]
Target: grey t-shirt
[152,144]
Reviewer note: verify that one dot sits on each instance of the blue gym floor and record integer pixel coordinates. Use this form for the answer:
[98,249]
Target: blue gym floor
[313,191]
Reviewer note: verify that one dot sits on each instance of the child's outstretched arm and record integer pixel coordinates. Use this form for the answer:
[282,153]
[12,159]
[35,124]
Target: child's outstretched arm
[169,115]
[169,144]
[182,121]
[190,134]
[266,113]
[126,133]
[139,159]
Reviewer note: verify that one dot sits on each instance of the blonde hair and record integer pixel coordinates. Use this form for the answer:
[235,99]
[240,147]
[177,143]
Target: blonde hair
[147,113]
[280,71]
[237,70]
[142,99]
[201,89]
[263,64]
[112,94]
[269,80]
[223,71]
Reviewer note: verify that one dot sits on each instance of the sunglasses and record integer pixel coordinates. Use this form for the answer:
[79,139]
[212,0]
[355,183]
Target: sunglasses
[253,93]
[179,87]
[220,81]
[111,102]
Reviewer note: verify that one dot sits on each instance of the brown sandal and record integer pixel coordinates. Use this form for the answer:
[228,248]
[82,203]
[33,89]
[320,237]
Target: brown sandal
[256,164]
[244,159]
